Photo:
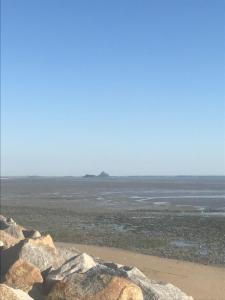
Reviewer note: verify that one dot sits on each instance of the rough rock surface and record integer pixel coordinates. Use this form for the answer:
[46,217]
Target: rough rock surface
[23,275]
[45,240]
[10,226]
[67,254]
[153,290]
[32,234]
[7,239]
[40,252]
[95,286]
[8,293]
[80,264]
[34,265]
[5,222]
[96,279]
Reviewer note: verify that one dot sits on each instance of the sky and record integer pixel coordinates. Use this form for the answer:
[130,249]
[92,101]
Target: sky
[128,87]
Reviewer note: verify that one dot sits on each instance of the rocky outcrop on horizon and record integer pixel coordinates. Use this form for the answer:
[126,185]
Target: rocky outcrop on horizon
[101,175]
[33,268]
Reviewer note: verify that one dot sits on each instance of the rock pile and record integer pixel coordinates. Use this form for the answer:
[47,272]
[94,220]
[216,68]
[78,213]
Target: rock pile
[33,268]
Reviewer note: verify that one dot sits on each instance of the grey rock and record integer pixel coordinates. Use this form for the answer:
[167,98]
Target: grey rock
[15,231]
[5,222]
[153,290]
[97,283]
[39,252]
[67,253]
[10,226]
[79,272]
[69,275]
[77,264]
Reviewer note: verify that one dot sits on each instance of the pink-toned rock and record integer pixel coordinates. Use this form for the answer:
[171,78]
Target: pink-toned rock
[40,252]
[90,282]
[23,275]
[45,240]
[8,293]
[7,239]
[119,289]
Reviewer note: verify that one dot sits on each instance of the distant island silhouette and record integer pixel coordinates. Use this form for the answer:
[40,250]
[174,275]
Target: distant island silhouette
[101,175]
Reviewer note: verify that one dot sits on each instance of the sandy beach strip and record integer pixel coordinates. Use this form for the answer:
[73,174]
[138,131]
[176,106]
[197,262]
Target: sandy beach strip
[200,281]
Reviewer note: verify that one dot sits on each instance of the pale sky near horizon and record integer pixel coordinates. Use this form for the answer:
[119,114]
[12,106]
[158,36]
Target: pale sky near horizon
[129,87]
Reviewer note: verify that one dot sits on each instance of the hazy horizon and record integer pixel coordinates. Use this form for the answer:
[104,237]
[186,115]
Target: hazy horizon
[136,88]
[116,175]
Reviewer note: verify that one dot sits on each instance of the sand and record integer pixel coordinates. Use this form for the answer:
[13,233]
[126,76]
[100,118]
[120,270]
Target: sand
[200,281]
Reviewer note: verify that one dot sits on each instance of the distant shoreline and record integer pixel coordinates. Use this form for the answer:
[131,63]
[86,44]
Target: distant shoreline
[109,177]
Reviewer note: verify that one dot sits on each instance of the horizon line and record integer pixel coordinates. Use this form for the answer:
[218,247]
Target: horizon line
[150,175]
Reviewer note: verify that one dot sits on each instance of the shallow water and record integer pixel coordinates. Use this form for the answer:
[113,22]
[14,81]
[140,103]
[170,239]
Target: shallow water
[180,193]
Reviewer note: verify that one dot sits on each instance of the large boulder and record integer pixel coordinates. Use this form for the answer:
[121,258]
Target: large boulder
[80,263]
[94,285]
[23,275]
[8,293]
[82,278]
[7,239]
[119,289]
[45,240]
[40,252]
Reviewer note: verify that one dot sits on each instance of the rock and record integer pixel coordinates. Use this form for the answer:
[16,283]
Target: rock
[77,264]
[40,252]
[15,231]
[23,275]
[8,293]
[76,274]
[133,273]
[66,274]
[45,240]
[95,284]
[6,222]
[112,265]
[168,292]
[32,234]
[80,264]
[103,175]
[67,254]
[119,289]
[10,227]
[152,289]
[7,239]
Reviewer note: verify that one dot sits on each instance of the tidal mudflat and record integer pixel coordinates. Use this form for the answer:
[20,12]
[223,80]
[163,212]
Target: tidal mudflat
[174,217]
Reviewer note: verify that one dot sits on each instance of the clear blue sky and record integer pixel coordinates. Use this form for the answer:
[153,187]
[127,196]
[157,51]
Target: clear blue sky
[129,87]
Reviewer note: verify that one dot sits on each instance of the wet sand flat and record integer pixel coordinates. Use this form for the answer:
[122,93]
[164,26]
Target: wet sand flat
[200,281]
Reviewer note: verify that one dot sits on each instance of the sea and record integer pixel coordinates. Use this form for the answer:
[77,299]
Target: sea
[185,194]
